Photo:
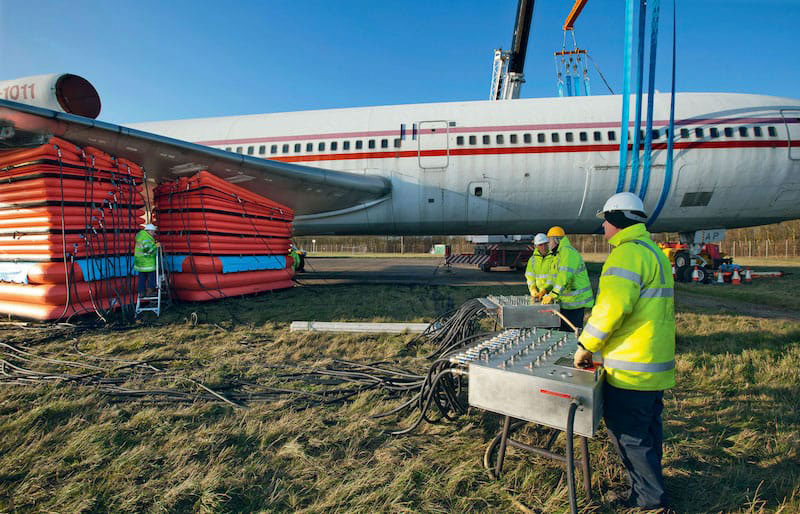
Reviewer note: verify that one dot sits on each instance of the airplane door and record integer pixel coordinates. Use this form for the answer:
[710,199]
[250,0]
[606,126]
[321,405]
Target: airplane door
[791,118]
[433,144]
[478,204]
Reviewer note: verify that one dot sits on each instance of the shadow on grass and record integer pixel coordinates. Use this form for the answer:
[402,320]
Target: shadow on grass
[700,348]
[736,448]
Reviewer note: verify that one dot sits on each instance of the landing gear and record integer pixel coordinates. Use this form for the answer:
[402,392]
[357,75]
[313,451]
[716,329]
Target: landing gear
[486,268]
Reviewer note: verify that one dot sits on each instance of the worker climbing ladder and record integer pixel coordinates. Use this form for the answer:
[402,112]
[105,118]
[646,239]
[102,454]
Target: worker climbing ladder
[153,303]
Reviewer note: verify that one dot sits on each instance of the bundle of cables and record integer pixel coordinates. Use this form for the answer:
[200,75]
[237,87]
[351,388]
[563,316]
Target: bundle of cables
[453,329]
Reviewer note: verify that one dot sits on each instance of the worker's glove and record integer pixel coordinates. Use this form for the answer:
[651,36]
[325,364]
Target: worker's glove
[540,294]
[548,299]
[583,358]
[533,291]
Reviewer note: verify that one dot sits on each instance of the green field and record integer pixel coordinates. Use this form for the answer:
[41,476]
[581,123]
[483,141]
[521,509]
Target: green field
[732,424]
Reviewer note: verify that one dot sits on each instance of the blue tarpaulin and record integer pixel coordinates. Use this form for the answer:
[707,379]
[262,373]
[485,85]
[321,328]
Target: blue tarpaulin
[233,263]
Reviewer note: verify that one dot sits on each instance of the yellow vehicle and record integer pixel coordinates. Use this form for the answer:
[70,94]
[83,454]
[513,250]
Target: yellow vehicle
[685,257]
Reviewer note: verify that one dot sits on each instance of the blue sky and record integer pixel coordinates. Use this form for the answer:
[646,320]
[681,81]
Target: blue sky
[154,60]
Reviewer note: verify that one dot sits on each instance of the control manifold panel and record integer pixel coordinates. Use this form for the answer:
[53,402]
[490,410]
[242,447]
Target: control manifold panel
[528,374]
[522,312]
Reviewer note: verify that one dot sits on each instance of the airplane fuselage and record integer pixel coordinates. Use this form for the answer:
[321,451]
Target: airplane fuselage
[519,166]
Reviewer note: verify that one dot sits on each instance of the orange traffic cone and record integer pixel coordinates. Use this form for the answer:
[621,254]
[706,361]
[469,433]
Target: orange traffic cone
[748,277]
[695,275]
[720,277]
[736,279]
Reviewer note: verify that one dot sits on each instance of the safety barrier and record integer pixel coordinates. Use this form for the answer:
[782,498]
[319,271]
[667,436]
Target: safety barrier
[222,240]
[68,219]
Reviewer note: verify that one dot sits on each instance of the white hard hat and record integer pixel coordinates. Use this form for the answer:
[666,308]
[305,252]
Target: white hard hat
[150,226]
[628,203]
[540,239]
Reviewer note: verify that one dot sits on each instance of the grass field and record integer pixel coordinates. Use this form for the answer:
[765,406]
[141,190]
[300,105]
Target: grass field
[732,424]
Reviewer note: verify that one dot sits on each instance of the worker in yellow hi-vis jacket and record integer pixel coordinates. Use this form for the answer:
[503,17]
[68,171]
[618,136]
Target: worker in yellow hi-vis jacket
[633,325]
[538,274]
[571,286]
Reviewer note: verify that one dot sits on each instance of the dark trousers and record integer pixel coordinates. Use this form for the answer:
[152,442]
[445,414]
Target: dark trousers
[147,279]
[633,419]
[575,316]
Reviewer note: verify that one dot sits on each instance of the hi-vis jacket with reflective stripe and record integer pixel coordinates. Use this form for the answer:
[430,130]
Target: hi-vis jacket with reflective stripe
[571,284]
[144,253]
[538,273]
[633,322]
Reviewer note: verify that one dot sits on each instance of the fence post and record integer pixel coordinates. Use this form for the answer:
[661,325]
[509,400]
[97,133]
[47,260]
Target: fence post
[750,247]
[595,245]
[766,248]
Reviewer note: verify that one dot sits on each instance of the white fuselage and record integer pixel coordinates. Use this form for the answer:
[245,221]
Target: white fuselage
[520,166]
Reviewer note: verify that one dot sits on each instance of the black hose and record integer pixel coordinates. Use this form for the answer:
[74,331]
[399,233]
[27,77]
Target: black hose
[573,504]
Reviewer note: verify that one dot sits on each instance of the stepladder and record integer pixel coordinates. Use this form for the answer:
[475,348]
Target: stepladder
[152,303]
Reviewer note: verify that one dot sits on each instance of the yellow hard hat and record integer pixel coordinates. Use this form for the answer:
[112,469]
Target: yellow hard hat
[556,232]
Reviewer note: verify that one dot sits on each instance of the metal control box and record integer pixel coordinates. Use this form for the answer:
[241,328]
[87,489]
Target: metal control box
[522,312]
[528,374]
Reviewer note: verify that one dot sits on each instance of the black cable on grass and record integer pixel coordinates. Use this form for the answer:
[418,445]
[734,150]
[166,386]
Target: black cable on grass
[453,328]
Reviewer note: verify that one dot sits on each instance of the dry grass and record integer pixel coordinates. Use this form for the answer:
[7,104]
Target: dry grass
[732,424]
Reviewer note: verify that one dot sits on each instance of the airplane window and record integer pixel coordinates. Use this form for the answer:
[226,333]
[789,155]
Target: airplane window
[321,147]
[698,132]
[473,140]
[250,150]
[345,145]
[757,131]
[641,135]
[486,140]
[583,136]
[309,147]
[273,149]
[655,134]
[359,144]
[285,149]
[728,131]
[568,137]
[238,149]
[460,140]
[371,143]
[334,145]
[297,147]
[512,139]
[554,137]
[743,131]
[499,139]
[228,149]
[384,143]
[262,149]
[714,132]
[526,138]
[772,132]
[684,133]
[540,138]
[597,136]
[397,142]
[612,136]
[478,191]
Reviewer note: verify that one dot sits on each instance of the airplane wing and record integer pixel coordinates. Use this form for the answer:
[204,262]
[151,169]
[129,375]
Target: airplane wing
[305,189]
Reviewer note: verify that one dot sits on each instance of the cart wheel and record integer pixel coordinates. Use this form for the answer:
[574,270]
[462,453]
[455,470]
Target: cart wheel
[681,260]
[486,268]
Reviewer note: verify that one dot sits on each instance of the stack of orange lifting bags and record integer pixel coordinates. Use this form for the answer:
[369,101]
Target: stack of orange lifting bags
[222,240]
[68,219]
